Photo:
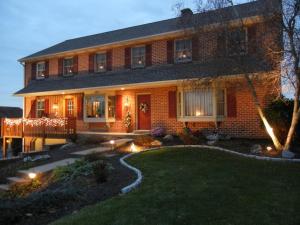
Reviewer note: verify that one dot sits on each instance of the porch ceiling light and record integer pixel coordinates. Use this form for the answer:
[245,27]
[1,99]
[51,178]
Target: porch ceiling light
[122,89]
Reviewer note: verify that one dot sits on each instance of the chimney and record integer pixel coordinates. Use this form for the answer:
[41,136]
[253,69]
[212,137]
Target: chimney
[186,12]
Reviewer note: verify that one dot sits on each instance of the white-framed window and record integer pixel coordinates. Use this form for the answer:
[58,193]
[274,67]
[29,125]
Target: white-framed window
[201,104]
[40,70]
[95,106]
[237,42]
[100,62]
[68,66]
[70,107]
[40,108]
[138,57]
[183,50]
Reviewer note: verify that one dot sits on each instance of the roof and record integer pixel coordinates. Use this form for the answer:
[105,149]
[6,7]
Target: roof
[149,75]
[10,112]
[151,29]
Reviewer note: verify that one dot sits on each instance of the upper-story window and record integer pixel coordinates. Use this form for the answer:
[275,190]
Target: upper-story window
[100,62]
[40,70]
[68,66]
[183,50]
[237,42]
[138,57]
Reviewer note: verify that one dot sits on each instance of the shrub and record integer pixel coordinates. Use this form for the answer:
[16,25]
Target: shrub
[144,140]
[94,156]
[101,171]
[279,114]
[24,189]
[158,132]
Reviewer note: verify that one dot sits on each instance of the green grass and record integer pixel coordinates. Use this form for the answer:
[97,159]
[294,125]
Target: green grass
[199,186]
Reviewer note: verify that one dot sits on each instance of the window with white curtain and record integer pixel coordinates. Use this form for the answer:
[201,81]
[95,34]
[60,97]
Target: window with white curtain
[198,103]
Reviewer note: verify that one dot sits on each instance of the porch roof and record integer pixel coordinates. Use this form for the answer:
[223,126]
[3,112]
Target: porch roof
[147,76]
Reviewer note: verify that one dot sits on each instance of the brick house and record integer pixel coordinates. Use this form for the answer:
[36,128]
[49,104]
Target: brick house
[143,70]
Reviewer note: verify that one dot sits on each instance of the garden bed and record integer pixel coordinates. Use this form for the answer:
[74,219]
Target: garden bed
[54,198]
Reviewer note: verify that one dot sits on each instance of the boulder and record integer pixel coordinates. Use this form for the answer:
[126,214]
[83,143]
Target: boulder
[168,137]
[212,142]
[156,143]
[213,137]
[256,149]
[67,146]
[288,154]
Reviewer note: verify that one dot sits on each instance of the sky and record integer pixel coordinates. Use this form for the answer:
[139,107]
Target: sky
[27,26]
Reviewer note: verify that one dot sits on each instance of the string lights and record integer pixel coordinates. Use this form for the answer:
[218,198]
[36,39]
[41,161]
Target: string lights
[55,122]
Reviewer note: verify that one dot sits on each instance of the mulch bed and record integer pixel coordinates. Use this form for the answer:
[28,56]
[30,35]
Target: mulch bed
[90,191]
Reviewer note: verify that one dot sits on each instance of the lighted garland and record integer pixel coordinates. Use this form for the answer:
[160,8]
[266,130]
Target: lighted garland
[55,122]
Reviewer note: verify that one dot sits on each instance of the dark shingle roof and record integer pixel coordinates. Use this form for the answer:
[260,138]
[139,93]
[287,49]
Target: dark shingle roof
[152,74]
[10,112]
[156,28]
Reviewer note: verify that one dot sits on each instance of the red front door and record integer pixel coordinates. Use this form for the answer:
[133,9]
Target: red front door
[144,112]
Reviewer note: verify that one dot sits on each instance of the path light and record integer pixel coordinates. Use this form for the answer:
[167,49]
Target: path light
[32,175]
[133,148]
[112,142]
[269,148]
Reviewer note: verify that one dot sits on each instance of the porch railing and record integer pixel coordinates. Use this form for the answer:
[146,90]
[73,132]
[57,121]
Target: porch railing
[39,127]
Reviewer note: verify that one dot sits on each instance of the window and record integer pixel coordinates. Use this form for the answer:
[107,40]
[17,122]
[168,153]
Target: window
[198,103]
[183,50]
[40,70]
[40,108]
[70,108]
[68,66]
[237,42]
[138,57]
[111,106]
[95,106]
[100,62]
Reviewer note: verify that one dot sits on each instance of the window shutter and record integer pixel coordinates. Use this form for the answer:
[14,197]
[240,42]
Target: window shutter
[231,102]
[127,58]
[80,107]
[170,51]
[60,66]
[33,71]
[172,104]
[75,64]
[47,69]
[195,48]
[119,107]
[47,108]
[33,109]
[149,55]
[109,60]
[252,44]
[92,63]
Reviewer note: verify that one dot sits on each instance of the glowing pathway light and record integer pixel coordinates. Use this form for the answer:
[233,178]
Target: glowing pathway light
[133,148]
[32,176]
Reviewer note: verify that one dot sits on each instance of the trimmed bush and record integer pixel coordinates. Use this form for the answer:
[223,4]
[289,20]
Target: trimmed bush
[158,132]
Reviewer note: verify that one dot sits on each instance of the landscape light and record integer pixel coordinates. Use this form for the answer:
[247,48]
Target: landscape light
[133,148]
[32,175]
[269,148]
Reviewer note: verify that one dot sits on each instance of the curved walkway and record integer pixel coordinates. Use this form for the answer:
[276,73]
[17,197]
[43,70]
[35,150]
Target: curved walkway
[138,181]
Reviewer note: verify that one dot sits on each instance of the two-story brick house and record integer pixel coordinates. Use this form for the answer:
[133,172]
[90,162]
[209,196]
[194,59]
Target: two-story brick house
[142,70]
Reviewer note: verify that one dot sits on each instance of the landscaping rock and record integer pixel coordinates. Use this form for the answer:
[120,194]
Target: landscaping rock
[212,142]
[288,154]
[156,143]
[256,149]
[213,137]
[224,137]
[67,146]
[168,137]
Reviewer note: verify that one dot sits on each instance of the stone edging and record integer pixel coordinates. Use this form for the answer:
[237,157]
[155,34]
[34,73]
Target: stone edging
[140,176]
[130,187]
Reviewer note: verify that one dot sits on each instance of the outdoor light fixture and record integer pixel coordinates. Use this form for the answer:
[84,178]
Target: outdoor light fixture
[122,89]
[269,148]
[133,148]
[112,142]
[55,106]
[32,175]
[126,102]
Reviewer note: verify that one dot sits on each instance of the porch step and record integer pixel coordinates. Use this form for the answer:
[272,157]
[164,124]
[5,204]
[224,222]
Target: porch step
[118,142]
[13,180]
[141,132]
[92,150]
[48,167]
[4,187]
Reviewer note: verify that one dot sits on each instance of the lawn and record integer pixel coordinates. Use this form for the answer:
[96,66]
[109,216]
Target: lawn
[199,186]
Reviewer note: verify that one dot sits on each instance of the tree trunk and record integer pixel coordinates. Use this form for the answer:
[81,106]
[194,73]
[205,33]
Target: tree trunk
[267,125]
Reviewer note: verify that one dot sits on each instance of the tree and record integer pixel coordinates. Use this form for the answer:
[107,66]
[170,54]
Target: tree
[280,53]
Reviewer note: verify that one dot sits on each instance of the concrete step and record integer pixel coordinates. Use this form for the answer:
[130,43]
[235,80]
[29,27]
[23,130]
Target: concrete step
[141,132]
[92,150]
[4,187]
[117,142]
[13,180]
[48,167]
